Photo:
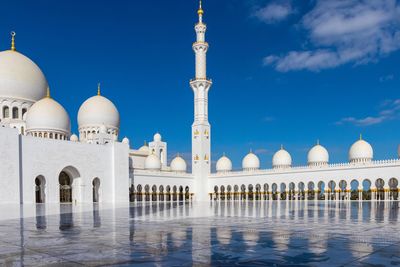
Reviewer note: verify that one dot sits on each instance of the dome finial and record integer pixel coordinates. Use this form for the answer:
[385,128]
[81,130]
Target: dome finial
[281,146]
[13,41]
[361,138]
[98,89]
[318,142]
[223,154]
[200,11]
[48,92]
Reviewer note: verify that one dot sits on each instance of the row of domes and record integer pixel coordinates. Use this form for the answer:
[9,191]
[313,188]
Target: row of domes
[360,152]
[153,163]
[22,80]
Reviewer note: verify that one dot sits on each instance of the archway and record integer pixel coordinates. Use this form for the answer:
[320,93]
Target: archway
[354,184]
[311,191]
[283,192]
[242,192]
[222,194]
[69,188]
[266,191]
[161,193]
[168,189]
[181,193]
[65,187]
[236,192]
[343,190]
[40,184]
[332,189]
[154,193]
[394,190]
[147,192]
[302,194]
[139,194]
[216,192]
[274,188]
[321,191]
[229,192]
[366,194]
[96,187]
[187,193]
[175,193]
[258,192]
[291,195]
[380,194]
[250,192]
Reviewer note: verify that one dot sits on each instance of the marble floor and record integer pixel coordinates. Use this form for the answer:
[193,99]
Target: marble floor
[202,234]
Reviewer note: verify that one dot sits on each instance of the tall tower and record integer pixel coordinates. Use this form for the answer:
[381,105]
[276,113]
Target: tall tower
[201,134]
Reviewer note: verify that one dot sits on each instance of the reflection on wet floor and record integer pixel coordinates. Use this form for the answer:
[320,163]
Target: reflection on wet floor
[216,233]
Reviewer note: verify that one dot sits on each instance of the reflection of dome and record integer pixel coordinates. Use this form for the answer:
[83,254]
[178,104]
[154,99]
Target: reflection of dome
[224,235]
[224,164]
[152,162]
[251,237]
[48,116]
[281,159]
[97,111]
[74,138]
[178,164]
[157,137]
[361,151]
[318,155]
[20,77]
[250,162]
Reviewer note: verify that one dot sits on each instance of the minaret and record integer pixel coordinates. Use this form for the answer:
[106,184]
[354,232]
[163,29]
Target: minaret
[201,134]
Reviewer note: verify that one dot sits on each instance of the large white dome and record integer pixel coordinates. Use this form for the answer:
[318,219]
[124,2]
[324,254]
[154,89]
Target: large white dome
[250,162]
[178,164]
[20,77]
[317,156]
[48,115]
[361,151]
[152,162]
[224,164]
[281,159]
[97,111]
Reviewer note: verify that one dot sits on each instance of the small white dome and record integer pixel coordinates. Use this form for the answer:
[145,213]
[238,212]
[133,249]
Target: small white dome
[20,77]
[250,162]
[361,151]
[74,138]
[48,115]
[125,140]
[98,111]
[178,164]
[281,159]
[152,162]
[318,155]
[224,164]
[144,148]
[103,129]
[157,137]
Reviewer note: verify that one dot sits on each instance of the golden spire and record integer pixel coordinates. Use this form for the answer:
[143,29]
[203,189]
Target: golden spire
[98,89]
[361,136]
[48,92]
[200,11]
[281,146]
[318,142]
[13,41]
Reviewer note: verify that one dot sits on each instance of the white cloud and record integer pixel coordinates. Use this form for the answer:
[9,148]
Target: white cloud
[386,78]
[274,12]
[342,32]
[390,110]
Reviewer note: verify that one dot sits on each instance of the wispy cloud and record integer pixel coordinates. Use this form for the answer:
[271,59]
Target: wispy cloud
[262,151]
[274,12]
[390,110]
[342,32]
[268,119]
[386,78]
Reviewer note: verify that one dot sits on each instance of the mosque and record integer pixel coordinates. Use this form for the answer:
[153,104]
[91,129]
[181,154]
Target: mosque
[97,165]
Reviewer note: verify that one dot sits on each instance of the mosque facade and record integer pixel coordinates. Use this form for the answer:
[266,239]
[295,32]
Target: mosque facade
[96,165]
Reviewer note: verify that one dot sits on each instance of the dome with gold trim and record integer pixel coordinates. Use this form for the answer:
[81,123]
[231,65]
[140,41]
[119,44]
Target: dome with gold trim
[20,77]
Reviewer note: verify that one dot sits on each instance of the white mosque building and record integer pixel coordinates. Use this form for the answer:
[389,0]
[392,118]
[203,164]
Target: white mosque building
[42,161]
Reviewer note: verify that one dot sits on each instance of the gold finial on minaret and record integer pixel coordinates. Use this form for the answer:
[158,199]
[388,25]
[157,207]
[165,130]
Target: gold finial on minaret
[200,11]
[13,41]
[48,92]
[98,89]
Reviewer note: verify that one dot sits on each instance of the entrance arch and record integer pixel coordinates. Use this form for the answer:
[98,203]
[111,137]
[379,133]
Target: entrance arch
[68,180]
[96,187]
[40,184]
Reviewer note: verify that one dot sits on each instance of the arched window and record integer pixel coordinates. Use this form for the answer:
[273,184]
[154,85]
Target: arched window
[15,113]
[6,112]
[24,110]
[22,130]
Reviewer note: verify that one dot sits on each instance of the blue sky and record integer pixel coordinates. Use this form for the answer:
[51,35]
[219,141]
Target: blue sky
[284,72]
